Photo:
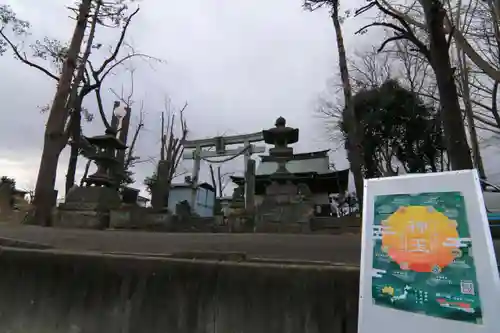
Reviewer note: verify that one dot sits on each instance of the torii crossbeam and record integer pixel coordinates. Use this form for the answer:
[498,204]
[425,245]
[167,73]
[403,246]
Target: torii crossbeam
[220,143]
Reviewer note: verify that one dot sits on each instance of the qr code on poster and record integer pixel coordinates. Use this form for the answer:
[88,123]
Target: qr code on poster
[467,287]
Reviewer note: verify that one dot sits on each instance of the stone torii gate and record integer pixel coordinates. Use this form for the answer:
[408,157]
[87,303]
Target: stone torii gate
[220,143]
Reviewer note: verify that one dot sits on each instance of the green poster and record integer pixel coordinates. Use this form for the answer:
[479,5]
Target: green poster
[422,257]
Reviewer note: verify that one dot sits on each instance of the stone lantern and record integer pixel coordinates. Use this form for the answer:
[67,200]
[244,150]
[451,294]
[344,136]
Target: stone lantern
[89,206]
[281,136]
[109,171]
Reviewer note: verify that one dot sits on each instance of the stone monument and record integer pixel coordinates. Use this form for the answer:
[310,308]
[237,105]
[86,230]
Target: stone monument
[160,189]
[13,206]
[89,206]
[129,215]
[285,207]
[237,217]
[238,198]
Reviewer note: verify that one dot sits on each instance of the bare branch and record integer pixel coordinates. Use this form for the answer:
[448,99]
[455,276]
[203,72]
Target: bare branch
[118,44]
[130,155]
[172,148]
[401,33]
[460,39]
[24,59]
[100,107]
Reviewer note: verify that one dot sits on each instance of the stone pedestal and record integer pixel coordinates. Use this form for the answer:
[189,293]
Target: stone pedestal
[239,219]
[139,218]
[125,217]
[87,207]
[284,209]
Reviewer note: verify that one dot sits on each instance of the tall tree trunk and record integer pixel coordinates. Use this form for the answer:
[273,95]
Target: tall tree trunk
[354,148]
[76,100]
[464,83]
[469,112]
[451,114]
[75,148]
[163,137]
[54,138]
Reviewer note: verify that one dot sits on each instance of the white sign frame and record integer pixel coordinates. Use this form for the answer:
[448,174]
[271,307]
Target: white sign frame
[374,318]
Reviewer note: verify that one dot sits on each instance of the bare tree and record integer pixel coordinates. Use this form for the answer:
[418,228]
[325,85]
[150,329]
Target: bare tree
[75,101]
[475,89]
[437,55]
[370,69]
[354,149]
[173,134]
[10,21]
[77,77]
[131,159]
[55,138]
[459,37]
[367,70]
[171,139]
[474,26]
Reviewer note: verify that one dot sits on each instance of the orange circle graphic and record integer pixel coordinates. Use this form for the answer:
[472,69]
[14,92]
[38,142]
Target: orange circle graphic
[420,239]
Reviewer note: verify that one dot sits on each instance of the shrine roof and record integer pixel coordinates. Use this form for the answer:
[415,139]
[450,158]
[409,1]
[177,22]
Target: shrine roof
[106,140]
[332,181]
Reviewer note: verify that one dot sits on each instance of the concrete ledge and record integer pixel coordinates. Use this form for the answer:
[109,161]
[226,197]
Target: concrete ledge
[270,246]
[59,292]
[235,257]
[328,248]
[10,242]
[152,262]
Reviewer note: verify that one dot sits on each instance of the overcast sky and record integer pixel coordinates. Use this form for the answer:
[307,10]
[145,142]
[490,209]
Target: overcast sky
[239,65]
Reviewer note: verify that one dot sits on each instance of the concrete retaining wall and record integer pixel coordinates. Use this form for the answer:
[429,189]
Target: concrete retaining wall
[43,291]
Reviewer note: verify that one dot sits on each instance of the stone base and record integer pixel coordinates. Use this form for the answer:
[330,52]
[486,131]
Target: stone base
[81,219]
[14,217]
[140,218]
[336,225]
[91,198]
[87,208]
[284,217]
[121,219]
[240,223]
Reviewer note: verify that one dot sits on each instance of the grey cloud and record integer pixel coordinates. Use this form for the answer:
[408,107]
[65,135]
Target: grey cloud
[239,64]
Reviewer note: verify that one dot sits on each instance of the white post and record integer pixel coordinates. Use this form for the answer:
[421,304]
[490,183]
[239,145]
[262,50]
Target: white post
[248,153]
[196,175]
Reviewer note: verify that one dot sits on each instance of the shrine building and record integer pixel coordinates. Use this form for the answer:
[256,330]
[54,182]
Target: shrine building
[311,169]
